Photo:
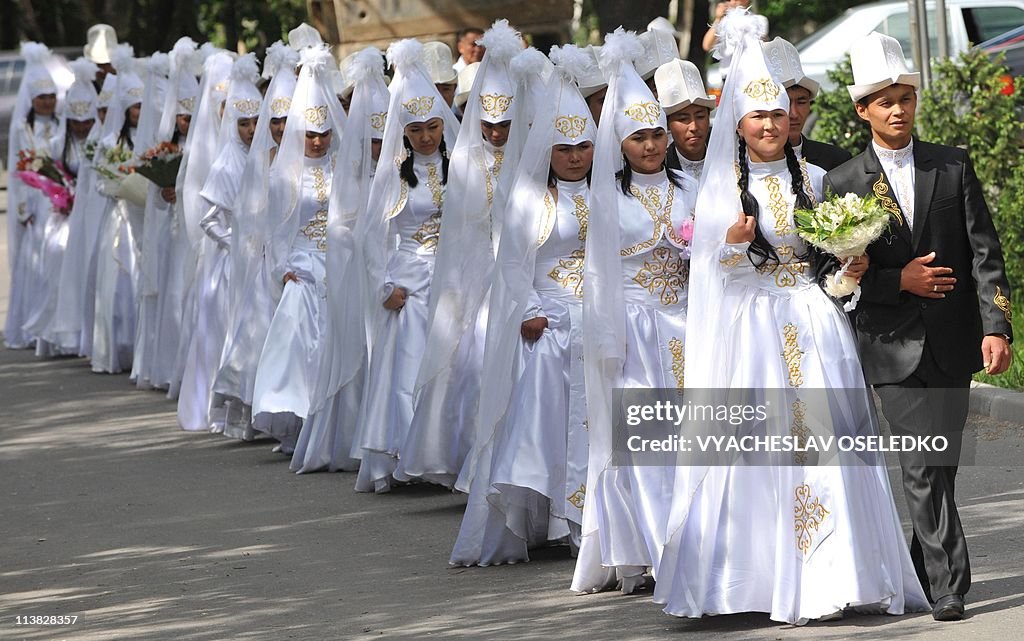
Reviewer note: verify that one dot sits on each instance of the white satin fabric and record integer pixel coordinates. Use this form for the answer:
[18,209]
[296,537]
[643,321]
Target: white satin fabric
[113,334]
[827,537]
[289,359]
[400,338]
[631,503]
[529,485]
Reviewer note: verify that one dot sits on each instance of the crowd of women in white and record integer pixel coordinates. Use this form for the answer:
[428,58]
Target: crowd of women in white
[344,266]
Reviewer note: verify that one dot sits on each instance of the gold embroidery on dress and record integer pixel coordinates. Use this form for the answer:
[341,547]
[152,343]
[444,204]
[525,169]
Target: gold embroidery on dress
[764,89]
[788,270]
[79,109]
[732,261]
[403,197]
[279,106]
[434,183]
[495,104]
[578,497]
[792,355]
[316,229]
[808,515]
[571,127]
[572,276]
[249,107]
[420,106]
[675,348]
[799,430]
[582,213]
[1003,303]
[547,221]
[428,232]
[644,112]
[316,116]
[651,201]
[778,206]
[666,276]
[808,187]
[888,204]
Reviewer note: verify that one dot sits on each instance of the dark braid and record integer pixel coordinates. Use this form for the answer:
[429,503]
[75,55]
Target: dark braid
[126,132]
[625,176]
[803,201]
[405,169]
[761,253]
[444,161]
[31,118]
[68,136]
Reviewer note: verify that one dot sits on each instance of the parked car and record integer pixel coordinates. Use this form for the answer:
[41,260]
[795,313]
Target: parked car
[1011,44]
[968,21]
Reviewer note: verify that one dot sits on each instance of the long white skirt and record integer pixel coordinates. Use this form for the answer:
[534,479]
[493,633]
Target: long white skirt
[26,273]
[529,489]
[285,376]
[113,336]
[398,345]
[827,537]
[55,241]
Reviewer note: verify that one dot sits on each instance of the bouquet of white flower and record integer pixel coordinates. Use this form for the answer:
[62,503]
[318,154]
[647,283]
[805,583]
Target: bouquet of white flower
[843,227]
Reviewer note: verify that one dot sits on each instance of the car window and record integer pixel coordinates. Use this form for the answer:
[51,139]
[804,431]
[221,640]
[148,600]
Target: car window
[984,23]
[897,25]
[10,76]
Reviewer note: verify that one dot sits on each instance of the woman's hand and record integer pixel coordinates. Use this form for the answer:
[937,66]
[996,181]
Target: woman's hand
[742,231]
[167,193]
[289,276]
[534,328]
[396,301]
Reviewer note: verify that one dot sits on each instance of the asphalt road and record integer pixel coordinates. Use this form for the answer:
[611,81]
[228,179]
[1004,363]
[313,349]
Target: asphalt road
[112,514]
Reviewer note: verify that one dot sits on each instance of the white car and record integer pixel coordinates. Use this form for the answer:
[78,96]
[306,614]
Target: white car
[968,22]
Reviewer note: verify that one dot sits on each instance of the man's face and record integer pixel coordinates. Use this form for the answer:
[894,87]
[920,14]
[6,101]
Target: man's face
[447,91]
[800,103]
[468,48]
[890,112]
[690,126]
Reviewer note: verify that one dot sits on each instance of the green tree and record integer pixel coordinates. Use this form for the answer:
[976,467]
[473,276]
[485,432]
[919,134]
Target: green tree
[837,121]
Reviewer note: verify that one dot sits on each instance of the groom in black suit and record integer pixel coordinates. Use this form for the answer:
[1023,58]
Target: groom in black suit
[935,303]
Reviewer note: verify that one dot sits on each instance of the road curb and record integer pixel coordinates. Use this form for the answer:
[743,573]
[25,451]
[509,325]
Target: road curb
[997,402]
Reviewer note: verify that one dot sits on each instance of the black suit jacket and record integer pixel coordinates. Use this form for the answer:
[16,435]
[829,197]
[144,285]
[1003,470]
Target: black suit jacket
[952,220]
[824,155]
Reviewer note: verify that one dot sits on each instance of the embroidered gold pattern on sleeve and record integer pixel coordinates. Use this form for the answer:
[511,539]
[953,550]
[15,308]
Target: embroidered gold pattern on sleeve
[808,515]
[1003,303]
[578,497]
[732,261]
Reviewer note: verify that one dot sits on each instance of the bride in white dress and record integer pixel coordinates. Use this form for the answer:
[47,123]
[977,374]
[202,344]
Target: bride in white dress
[798,541]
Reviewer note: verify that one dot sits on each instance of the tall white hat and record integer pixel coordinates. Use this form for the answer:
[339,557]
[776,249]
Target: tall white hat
[784,61]
[495,90]
[37,77]
[438,58]
[465,86]
[591,79]
[573,122]
[129,85]
[280,65]
[106,91]
[80,102]
[756,88]
[635,107]
[101,40]
[878,62]
[244,99]
[304,36]
[659,47]
[418,100]
[679,85]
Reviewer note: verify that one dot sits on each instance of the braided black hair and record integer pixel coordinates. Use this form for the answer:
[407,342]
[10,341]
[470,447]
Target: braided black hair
[761,253]
[625,176]
[405,169]
[126,134]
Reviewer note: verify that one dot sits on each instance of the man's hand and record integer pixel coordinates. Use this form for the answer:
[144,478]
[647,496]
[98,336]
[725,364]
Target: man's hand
[167,193]
[396,301]
[858,267]
[995,354]
[289,276]
[927,282]
[534,328]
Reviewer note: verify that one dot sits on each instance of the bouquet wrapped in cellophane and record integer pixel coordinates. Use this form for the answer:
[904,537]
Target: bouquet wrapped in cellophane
[40,171]
[117,175]
[160,164]
[842,227]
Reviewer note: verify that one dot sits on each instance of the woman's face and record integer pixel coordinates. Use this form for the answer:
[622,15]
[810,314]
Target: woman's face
[277,126]
[45,104]
[375,144]
[572,162]
[317,143]
[80,128]
[425,137]
[183,122]
[765,133]
[246,130]
[495,133]
[101,113]
[131,115]
[645,150]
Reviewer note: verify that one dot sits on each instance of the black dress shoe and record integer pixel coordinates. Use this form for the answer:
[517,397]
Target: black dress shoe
[949,608]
